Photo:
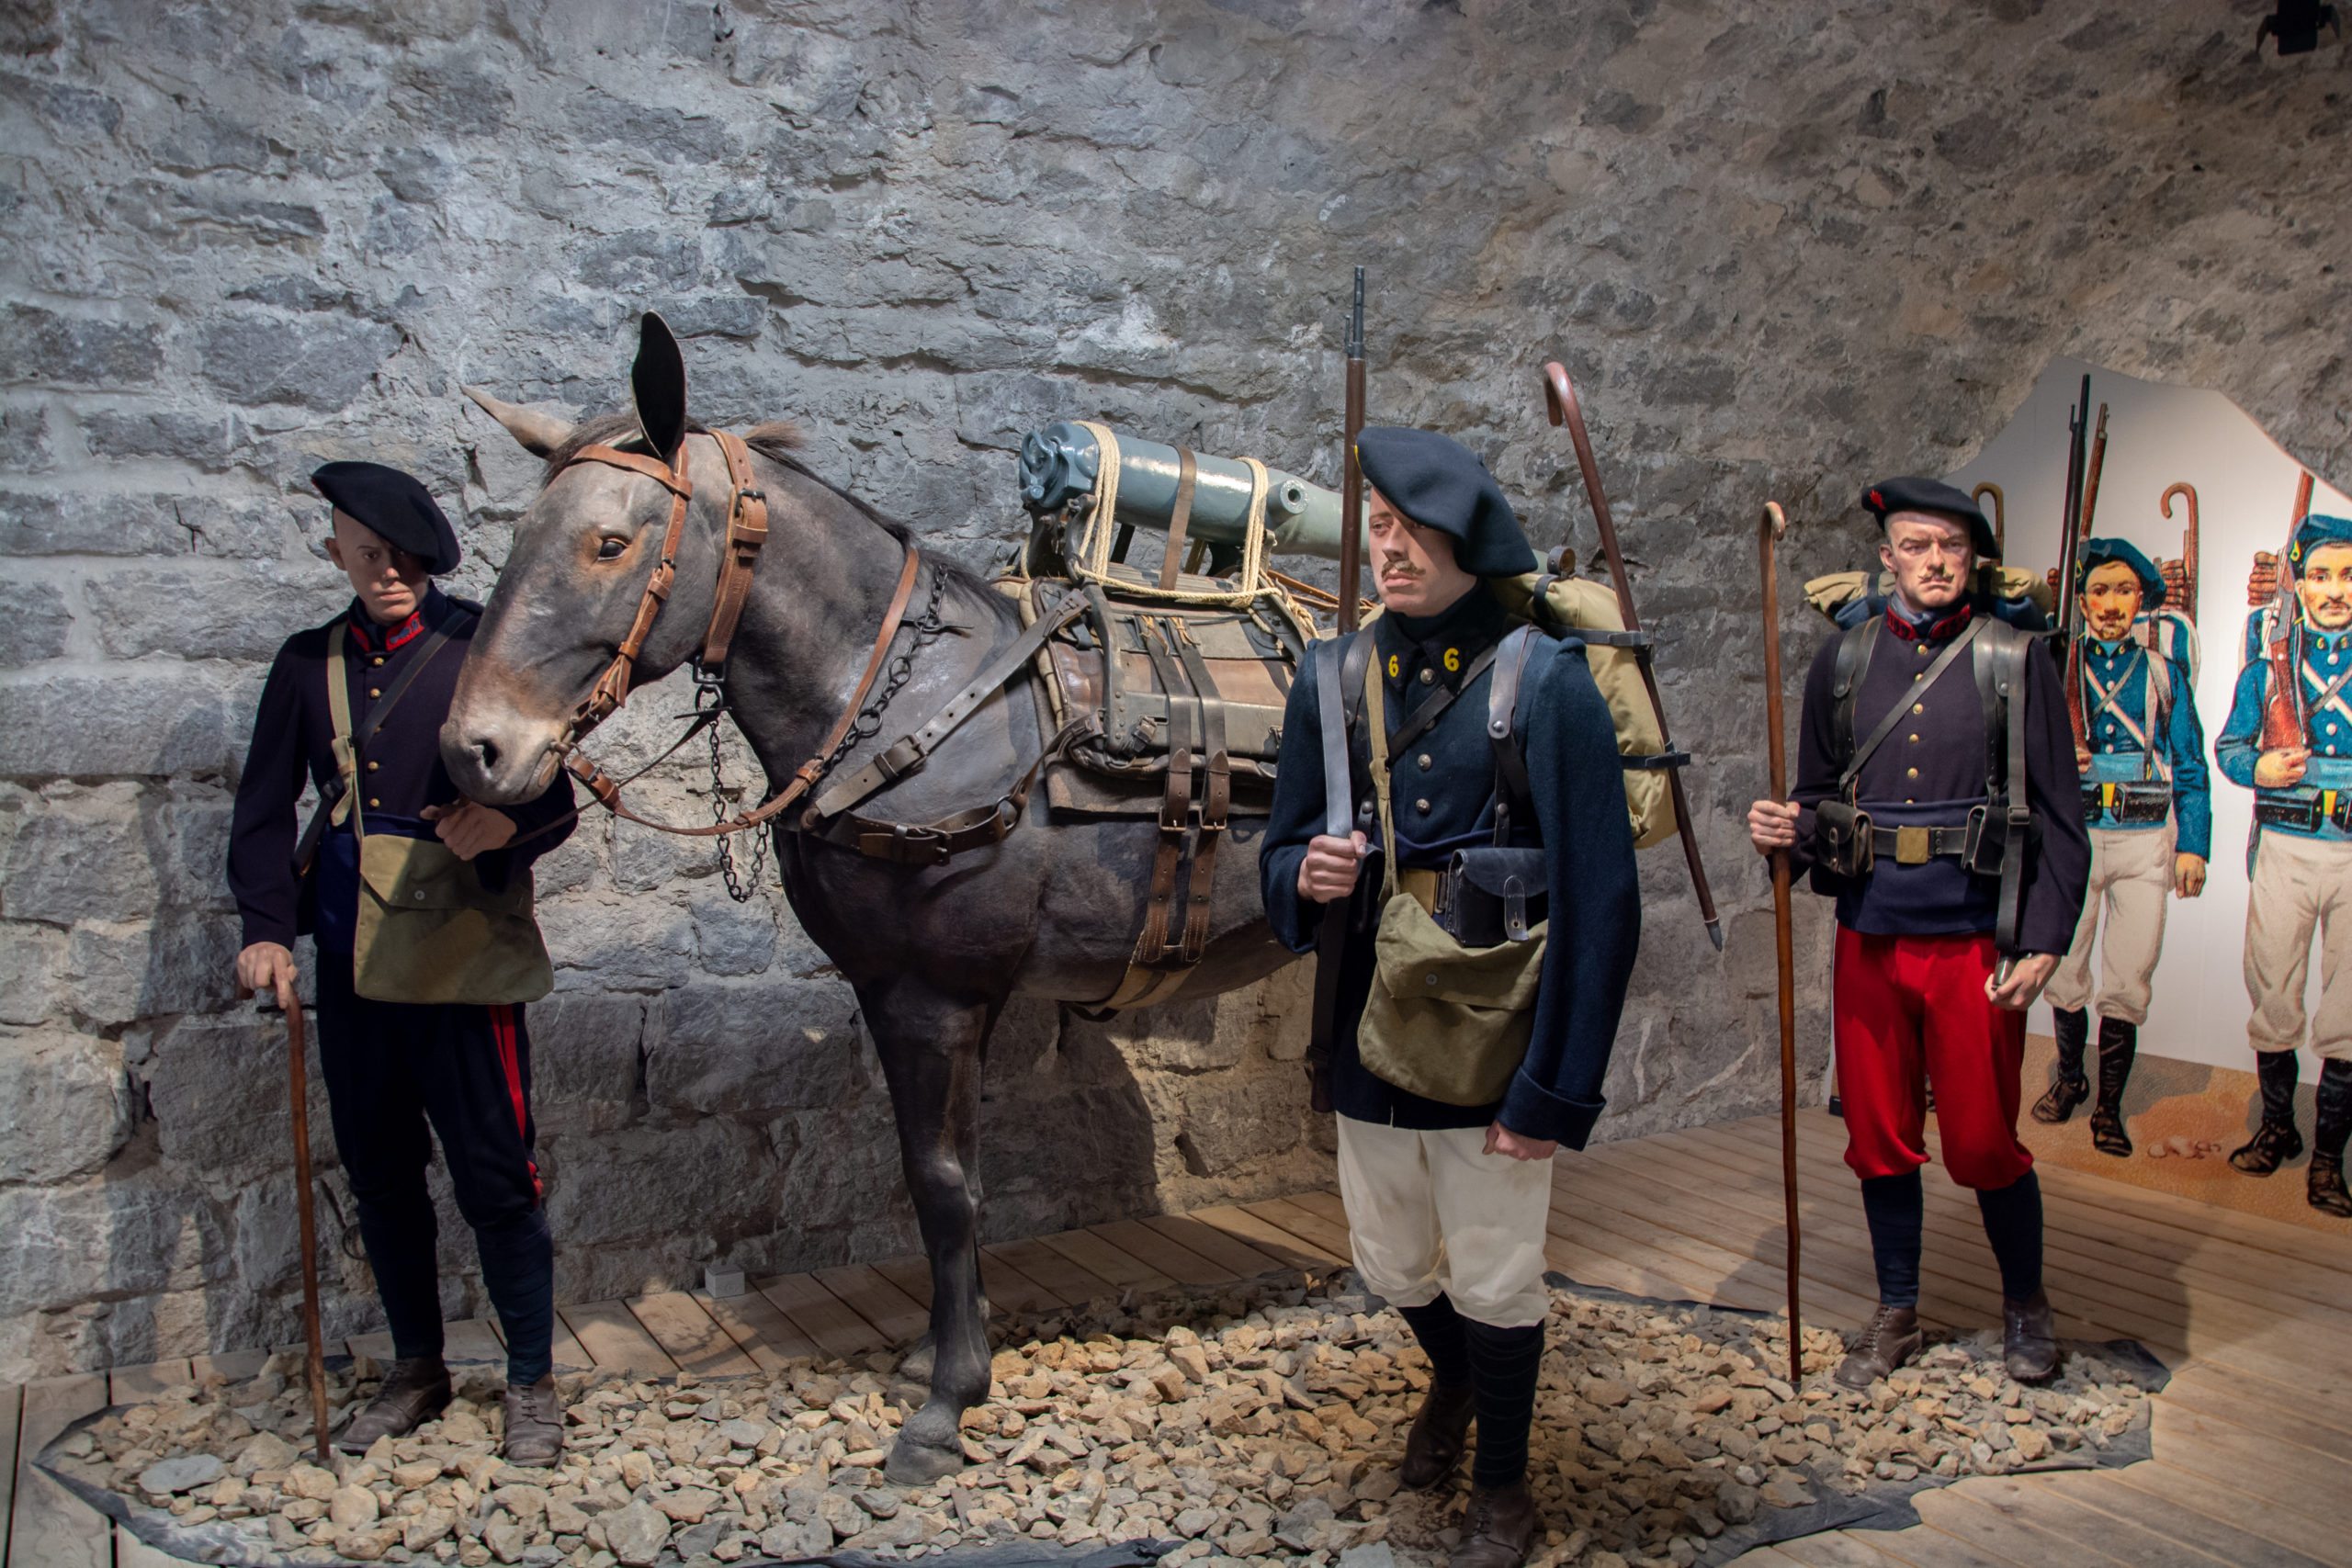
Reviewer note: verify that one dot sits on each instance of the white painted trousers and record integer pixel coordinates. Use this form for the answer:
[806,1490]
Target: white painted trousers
[2301,885]
[1430,1212]
[2131,885]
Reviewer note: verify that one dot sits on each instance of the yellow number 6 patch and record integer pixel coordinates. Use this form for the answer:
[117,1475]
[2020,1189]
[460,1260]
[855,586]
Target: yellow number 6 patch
[1453,659]
[1393,671]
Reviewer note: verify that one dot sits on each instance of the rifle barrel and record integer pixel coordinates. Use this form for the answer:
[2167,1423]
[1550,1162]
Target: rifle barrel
[1350,475]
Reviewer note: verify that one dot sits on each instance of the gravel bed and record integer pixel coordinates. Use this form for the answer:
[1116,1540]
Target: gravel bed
[1258,1424]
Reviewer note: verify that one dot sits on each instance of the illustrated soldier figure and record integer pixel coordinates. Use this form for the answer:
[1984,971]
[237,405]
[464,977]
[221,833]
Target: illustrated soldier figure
[1448,1181]
[1936,800]
[2148,805]
[2289,739]
[393,1067]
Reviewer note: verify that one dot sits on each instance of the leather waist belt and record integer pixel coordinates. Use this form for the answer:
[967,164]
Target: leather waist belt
[1917,846]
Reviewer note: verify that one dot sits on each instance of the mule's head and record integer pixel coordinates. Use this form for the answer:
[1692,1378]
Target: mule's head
[571,584]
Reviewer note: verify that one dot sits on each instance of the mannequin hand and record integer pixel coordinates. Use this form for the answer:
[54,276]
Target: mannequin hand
[2027,977]
[469,828]
[1501,1139]
[2188,876]
[267,966]
[1329,871]
[1772,825]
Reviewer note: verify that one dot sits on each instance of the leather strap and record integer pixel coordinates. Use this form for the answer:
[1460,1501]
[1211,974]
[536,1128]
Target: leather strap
[747,531]
[1517,792]
[1152,946]
[908,753]
[1432,707]
[611,689]
[937,842]
[2018,807]
[335,801]
[1331,675]
[1188,473]
[1216,800]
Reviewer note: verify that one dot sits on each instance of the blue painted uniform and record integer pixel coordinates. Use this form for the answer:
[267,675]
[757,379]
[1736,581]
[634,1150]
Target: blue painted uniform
[2143,731]
[2318,807]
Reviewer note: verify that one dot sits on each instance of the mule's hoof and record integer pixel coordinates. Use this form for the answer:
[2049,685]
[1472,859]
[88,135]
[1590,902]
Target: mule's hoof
[913,1463]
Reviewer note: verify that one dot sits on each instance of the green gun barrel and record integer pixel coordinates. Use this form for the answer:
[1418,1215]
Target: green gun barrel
[1061,464]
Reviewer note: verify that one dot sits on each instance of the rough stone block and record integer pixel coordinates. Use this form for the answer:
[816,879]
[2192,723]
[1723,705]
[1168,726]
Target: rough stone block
[84,857]
[48,349]
[732,938]
[217,1086]
[178,962]
[711,1174]
[315,363]
[617,944]
[204,440]
[584,1060]
[94,522]
[34,623]
[242,611]
[62,1244]
[754,1050]
[270,1234]
[24,441]
[31,957]
[65,1104]
[1230,1123]
[163,717]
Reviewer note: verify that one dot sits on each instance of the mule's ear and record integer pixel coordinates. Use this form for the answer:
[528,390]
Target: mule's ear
[658,380]
[538,434]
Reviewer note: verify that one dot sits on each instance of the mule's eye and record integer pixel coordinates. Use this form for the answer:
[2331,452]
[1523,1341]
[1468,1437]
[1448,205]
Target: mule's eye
[612,549]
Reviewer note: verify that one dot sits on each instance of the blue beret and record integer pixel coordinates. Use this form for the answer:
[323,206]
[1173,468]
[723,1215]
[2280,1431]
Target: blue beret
[1933,495]
[2312,533]
[1440,483]
[395,506]
[2099,552]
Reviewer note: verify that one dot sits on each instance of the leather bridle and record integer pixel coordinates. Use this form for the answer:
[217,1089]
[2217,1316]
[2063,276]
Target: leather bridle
[747,531]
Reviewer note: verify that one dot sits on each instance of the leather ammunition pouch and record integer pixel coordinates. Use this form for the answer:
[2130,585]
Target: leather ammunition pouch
[2130,803]
[2297,815]
[1491,894]
[1843,840]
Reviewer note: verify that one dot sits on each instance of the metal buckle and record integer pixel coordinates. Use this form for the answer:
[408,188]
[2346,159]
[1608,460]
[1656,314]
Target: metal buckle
[1911,846]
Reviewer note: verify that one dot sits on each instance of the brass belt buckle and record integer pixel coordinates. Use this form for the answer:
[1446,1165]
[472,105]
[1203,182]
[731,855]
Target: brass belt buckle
[1911,846]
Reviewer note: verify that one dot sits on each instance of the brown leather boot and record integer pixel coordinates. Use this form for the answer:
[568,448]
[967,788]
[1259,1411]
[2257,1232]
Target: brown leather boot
[415,1391]
[1434,1445]
[1891,1338]
[1496,1528]
[534,1424]
[2029,1337]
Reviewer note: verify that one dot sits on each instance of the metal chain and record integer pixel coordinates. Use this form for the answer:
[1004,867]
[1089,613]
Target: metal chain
[927,630]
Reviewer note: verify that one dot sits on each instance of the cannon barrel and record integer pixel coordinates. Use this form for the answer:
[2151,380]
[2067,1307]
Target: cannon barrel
[1061,463]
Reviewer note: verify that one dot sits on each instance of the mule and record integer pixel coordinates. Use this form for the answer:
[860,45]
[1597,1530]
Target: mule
[933,952]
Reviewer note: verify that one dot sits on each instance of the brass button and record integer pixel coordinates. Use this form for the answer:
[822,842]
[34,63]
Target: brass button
[378,659]
[1918,707]
[375,691]
[1420,805]
[371,767]
[1923,650]
[373,801]
[1428,677]
[1911,774]
[1424,759]
[1915,740]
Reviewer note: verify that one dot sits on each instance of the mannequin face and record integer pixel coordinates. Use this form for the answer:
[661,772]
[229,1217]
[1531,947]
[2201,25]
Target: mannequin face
[2112,598]
[1413,567]
[2325,587]
[389,581]
[1930,556]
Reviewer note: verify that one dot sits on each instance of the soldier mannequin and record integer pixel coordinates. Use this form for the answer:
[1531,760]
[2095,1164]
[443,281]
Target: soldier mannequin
[1921,996]
[2141,741]
[390,1068]
[2301,862]
[1447,1203]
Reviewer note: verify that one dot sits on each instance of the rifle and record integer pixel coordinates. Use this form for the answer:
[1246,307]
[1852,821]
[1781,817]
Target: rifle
[2078,430]
[1339,917]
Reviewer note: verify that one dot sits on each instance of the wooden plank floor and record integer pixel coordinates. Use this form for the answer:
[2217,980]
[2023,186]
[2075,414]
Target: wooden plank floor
[2253,1438]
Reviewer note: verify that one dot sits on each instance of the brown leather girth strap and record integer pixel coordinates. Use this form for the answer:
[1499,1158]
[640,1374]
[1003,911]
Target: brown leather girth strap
[1216,797]
[1175,802]
[747,530]
[1188,473]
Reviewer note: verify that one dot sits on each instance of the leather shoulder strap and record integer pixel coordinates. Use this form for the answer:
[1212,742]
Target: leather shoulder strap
[1330,699]
[1855,646]
[1942,663]
[1517,792]
[2014,797]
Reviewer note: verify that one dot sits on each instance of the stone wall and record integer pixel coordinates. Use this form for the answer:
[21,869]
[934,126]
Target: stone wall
[1782,249]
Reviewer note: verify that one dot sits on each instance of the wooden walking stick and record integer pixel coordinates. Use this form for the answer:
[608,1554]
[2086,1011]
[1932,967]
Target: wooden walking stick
[298,1095]
[1773,525]
[1560,402]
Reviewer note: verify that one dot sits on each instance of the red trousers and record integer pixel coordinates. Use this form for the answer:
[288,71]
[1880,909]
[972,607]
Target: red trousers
[1909,1012]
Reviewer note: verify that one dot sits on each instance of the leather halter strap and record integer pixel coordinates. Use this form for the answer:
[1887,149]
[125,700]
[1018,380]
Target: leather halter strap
[747,531]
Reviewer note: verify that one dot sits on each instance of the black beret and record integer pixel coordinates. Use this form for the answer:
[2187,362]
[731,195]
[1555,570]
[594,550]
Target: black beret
[1933,495]
[395,506]
[1440,483]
